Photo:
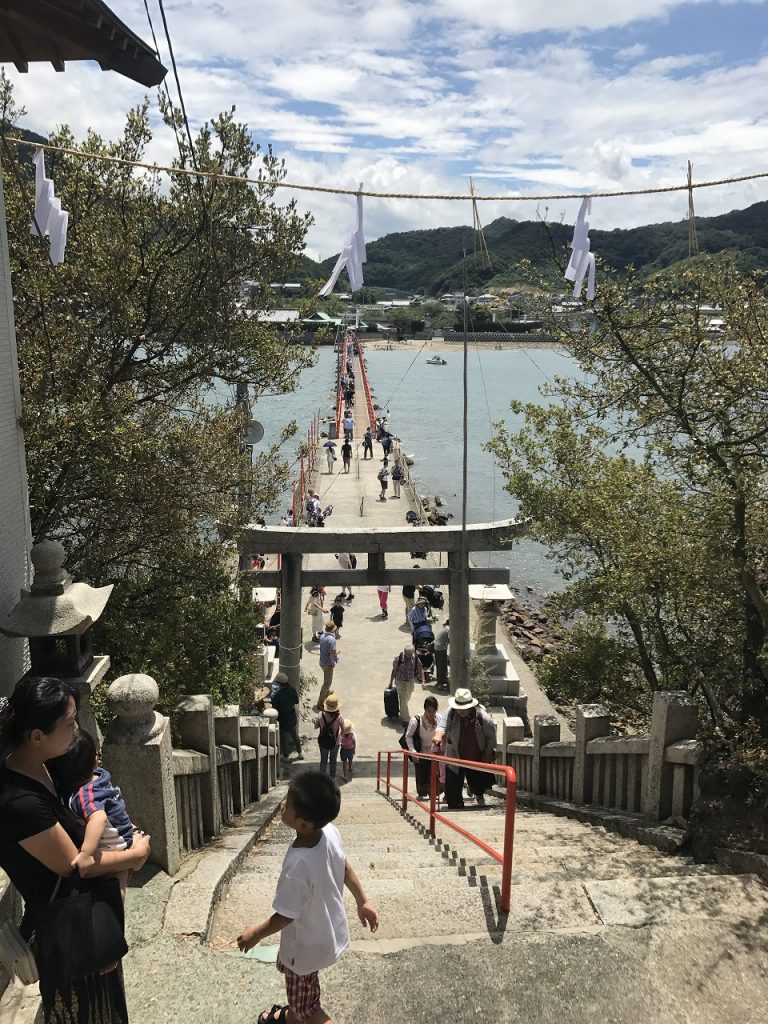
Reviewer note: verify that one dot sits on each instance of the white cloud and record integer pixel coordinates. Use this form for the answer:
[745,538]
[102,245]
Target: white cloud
[415,95]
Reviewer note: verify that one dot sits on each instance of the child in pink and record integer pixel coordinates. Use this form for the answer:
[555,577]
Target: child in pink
[348,747]
[383,592]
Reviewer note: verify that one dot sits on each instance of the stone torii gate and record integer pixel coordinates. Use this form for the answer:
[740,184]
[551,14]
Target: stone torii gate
[292,543]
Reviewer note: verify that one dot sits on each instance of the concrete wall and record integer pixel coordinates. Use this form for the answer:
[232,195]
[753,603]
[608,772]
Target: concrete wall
[15,536]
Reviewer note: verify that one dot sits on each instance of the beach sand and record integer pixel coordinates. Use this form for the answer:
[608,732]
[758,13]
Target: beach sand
[439,346]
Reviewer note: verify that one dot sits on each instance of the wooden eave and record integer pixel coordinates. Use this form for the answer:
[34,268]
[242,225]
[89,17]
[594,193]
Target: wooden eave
[57,31]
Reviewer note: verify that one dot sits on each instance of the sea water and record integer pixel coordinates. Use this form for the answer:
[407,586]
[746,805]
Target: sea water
[424,404]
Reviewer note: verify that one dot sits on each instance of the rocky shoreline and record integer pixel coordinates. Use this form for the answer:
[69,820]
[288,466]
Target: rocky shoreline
[531,631]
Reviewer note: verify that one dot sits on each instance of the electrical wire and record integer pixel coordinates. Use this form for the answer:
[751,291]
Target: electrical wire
[178,83]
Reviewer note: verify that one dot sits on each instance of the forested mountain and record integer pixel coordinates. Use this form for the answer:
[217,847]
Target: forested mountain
[432,259]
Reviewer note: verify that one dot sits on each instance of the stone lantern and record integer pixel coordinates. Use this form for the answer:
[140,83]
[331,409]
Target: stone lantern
[503,680]
[55,615]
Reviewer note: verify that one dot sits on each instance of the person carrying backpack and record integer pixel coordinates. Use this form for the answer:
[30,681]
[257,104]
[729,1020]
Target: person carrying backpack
[406,669]
[397,476]
[330,723]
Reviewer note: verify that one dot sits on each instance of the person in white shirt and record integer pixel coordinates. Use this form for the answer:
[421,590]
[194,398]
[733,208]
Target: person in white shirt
[419,736]
[308,908]
[349,425]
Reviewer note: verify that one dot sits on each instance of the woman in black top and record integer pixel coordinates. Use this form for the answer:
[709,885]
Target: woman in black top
[40,837]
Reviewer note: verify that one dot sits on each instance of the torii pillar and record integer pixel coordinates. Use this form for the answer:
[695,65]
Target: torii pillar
[290,616]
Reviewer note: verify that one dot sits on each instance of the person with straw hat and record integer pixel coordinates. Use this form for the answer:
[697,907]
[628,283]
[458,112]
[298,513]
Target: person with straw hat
[469,733]
[330,723]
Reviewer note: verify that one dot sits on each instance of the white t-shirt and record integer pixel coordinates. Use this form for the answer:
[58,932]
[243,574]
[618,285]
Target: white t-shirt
[310,891]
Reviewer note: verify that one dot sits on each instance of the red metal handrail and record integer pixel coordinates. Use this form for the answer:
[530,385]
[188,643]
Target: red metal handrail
[339,390]
[366,387]
[504,858]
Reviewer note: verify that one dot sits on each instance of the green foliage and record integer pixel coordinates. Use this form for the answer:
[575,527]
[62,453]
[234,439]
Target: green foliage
[648,481]
[590,666]
[134,459]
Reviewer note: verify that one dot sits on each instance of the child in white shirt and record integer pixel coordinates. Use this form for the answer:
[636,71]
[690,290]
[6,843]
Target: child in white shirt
[309,901]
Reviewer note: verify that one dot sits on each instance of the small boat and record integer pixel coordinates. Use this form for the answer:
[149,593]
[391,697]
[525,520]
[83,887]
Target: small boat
[437,361]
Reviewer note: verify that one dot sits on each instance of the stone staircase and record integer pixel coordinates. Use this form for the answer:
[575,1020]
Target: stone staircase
[566,876]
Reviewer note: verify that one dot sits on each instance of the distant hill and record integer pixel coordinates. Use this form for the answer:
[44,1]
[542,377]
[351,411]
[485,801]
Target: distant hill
[432,259]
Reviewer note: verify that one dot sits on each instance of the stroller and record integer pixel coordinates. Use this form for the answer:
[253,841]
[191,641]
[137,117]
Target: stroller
[434,595]
[425,652]
[318,518]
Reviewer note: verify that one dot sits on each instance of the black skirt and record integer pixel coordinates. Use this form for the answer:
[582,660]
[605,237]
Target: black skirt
[97,999]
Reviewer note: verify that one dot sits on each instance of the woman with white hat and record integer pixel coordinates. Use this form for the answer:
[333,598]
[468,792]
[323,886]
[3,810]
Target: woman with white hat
[470,734]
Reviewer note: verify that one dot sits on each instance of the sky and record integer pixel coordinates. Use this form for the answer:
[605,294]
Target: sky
[525,97]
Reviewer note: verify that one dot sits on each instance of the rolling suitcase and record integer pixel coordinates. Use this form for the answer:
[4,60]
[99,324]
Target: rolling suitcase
[391,703]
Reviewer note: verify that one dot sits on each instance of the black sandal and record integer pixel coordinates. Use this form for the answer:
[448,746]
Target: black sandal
[277,1015]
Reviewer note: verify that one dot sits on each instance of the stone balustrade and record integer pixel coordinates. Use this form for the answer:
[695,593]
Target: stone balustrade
[654,775]
[184,796]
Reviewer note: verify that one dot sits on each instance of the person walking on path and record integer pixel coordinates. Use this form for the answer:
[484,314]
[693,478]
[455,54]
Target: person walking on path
[308,908]
[383,591]
[284,701]
[329,656]
[337,614]
[409,598]
[346,455]
[330,458]
[470,734]
[419,737]
[367,444]
[442,641]
[316,610]
[345,562]
[348,747]
[330,723]
[349,425]
[406,669]
[397,476]
[383,477]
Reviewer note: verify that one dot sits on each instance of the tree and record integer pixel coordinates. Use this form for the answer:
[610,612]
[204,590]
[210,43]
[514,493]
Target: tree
[667,548]
[128,352]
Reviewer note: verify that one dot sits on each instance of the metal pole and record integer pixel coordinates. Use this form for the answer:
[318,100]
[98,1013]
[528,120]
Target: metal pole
[389,769]
[433,765]
[405,782]
[509,840]
[378,772]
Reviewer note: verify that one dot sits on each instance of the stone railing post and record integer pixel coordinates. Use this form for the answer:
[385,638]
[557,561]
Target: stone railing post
[226,725]
[194,723]
[591,721]
[137,751]
[675,717]
[546,729]
[250,735]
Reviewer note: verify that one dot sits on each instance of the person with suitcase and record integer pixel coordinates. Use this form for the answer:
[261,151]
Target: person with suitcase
[406,669]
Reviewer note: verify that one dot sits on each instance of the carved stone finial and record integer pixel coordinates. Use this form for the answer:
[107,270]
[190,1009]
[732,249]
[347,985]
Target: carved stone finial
[50,575]
[132,699]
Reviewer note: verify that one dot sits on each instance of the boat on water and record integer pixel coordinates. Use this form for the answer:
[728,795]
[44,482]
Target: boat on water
[437,361]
